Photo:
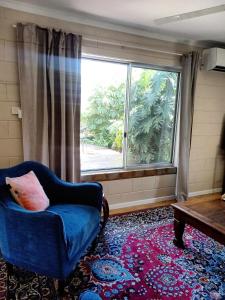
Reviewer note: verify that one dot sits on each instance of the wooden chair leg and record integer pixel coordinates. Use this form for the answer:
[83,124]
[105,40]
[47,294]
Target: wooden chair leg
[105,207]
[9,268]
[61,286]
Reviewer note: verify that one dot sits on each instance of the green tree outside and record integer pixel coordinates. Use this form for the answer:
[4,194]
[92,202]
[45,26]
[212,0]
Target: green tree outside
[151,117]
[103,120]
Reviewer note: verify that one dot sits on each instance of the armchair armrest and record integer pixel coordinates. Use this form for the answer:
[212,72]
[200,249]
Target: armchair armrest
[89,193]
[32,238]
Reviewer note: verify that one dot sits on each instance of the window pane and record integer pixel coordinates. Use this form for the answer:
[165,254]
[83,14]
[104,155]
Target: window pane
[103,86]
[151,116]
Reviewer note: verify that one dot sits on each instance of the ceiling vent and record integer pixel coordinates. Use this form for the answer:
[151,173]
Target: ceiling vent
[213,59]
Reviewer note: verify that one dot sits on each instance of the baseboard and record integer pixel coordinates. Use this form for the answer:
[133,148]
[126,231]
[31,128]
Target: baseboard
[199,193]
[160,199]
[141,202]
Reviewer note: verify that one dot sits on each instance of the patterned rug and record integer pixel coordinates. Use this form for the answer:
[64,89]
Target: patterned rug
[135,259]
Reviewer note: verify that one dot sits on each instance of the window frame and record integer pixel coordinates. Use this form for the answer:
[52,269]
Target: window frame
[154,166]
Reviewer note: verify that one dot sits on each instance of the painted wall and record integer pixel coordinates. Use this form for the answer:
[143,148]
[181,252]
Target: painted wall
[205,161]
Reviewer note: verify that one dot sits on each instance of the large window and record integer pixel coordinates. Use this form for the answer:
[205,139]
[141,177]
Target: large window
[128,115]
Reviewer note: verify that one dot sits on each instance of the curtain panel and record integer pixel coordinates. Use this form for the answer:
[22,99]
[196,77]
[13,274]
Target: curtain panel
[49,63]
[190,66]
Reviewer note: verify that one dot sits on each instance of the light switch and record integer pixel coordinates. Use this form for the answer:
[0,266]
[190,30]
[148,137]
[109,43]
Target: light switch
[17,111]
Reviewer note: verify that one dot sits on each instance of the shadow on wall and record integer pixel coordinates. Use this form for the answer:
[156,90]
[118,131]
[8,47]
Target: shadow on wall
[222,147]
[219,166]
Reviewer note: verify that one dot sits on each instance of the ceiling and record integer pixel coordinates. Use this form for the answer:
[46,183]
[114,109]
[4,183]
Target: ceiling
[140,15]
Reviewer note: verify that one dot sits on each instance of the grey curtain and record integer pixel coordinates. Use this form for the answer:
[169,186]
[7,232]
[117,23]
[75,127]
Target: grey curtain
[49,77]
[190,65]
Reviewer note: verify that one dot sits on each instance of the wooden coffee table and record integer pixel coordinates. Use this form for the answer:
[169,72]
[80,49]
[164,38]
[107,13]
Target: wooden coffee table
[207,214]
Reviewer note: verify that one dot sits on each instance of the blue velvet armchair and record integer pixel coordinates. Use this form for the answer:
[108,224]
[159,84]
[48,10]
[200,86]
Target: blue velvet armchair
[49,242]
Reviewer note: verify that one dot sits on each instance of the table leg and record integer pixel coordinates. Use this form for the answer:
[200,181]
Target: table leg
[179,230]
[105,207]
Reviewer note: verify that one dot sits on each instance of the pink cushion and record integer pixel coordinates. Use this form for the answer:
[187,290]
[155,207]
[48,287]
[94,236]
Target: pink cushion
[28,192]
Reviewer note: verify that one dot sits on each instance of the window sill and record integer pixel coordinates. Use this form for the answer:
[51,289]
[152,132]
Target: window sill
[125,174]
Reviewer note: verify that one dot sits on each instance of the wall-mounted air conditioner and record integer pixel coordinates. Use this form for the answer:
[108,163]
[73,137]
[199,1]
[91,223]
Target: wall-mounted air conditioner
[213,59]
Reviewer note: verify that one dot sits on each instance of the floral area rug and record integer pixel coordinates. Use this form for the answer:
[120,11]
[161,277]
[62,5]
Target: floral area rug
[134,258]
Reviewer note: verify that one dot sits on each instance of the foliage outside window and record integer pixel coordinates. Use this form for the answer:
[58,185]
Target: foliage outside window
[128,115]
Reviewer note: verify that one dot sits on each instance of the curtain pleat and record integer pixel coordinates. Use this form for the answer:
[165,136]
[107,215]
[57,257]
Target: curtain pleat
[49,64]
[190,65]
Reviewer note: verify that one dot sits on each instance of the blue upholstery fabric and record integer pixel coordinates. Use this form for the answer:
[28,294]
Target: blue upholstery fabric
[79,217]
[89,295]
[49,242]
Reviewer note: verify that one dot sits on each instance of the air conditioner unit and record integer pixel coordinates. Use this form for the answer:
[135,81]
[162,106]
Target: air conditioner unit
[213,59]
